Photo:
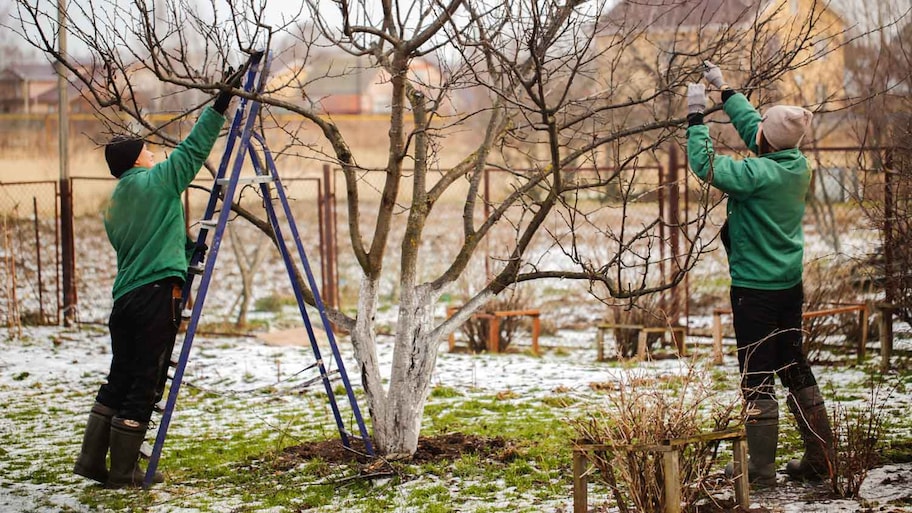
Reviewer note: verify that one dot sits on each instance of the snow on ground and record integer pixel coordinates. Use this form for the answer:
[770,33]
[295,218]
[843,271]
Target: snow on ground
[50,366]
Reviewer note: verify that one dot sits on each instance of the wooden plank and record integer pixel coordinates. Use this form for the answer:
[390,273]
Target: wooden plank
[600,344]
[671,468]
[739,462]
[667,445]
[641,345]
[863,339]
[809,314]
[494,335]
[610,326]
[886,338]
[494,327]
[580,482]
[833,311]
[452,338]
[516,313]
[680,340]
[717,338]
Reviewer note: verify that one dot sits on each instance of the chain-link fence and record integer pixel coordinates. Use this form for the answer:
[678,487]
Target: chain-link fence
[29,252]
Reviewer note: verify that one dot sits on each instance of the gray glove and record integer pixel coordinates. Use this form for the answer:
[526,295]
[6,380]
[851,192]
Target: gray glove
[696,98]
[713,75]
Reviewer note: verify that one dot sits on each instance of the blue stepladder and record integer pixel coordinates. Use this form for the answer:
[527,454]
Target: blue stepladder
[243,142]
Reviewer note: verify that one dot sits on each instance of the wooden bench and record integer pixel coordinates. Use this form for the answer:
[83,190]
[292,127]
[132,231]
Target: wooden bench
[862,317]
[494,326]
[671,469]
[677,333]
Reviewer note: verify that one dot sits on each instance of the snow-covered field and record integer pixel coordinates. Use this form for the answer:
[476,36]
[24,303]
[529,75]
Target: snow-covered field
[48,376]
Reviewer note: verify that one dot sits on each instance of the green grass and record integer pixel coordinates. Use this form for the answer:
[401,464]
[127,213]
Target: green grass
[222,452]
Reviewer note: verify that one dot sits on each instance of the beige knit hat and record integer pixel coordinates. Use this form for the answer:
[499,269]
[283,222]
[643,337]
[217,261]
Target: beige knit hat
[785,125]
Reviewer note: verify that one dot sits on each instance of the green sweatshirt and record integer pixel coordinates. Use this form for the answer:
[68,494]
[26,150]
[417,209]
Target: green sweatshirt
[145,217]
[766,197]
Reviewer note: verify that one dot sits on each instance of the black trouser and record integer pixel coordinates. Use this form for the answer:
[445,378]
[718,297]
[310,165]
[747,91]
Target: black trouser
[143,326]
[768,329]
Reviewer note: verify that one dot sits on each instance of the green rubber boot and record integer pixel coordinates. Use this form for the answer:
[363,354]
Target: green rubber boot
[762,429]
[91,461]
[810,413]
[127,437]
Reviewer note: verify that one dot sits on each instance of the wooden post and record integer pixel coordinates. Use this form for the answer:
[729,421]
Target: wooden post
[679,341]
[717,338]
[452,337]
[863,339]
[580,483]
[886,336]
[600,343]
[671,467]
[536,329]
[494,335]
[671,450]
[642,338]
[739,462]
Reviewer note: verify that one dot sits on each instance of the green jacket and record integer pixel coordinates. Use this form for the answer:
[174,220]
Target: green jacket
[145,217]
[766,196]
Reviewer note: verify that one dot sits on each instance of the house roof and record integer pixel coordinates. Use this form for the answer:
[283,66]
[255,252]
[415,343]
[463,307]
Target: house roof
[670,14]
[33,72]
[52,96]
[338,74]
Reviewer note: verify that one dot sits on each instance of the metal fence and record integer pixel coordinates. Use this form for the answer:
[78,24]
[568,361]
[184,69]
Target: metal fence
[30,290]
[29,252]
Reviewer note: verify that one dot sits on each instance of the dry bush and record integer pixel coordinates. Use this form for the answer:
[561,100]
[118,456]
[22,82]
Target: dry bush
[476,329]
[857,437]
[821,292]
[649,412]
[647,313]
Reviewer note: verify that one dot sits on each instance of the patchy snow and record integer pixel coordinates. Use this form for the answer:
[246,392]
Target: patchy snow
[48,377]
[73,363]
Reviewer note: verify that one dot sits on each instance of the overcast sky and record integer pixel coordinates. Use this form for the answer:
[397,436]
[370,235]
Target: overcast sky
[863,13]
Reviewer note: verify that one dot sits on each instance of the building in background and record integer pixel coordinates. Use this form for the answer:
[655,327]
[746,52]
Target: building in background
[21,86]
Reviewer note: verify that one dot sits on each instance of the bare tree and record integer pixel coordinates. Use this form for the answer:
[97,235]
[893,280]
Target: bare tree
[12,49]
[881,75]
[248,262]
[559,94]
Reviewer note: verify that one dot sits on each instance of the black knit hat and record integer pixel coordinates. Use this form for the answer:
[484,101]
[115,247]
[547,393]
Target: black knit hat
[122,152]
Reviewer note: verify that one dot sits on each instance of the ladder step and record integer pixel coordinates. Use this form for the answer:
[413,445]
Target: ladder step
[196,269]
[186,314]
[247,180]
[208,223]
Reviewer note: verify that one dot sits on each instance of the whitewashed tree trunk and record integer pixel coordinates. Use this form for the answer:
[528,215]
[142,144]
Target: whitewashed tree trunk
[396,411]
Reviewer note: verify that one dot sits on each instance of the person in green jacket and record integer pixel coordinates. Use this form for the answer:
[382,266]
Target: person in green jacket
[145,224]
[764,240]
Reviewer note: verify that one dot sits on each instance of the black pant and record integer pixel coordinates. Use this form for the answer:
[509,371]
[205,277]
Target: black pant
[143,326]
[768,329]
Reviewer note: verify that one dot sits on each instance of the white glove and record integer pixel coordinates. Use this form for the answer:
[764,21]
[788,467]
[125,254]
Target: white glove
[696,98]
[713,75]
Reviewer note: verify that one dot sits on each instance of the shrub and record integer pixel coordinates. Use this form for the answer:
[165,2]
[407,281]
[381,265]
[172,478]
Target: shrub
[477,328]
[857,434]
[642,413]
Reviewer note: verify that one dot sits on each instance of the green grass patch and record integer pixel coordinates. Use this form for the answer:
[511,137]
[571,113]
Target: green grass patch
[273,303]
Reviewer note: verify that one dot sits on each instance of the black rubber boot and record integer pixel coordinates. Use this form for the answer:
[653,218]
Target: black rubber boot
[91,461]
[762,429]
[127,437]
[810,413]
